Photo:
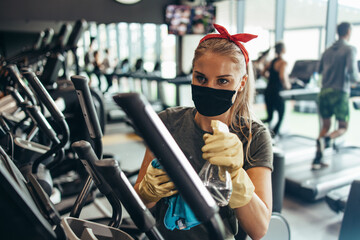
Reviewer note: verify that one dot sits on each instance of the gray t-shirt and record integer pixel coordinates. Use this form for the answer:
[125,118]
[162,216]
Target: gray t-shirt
[189,136]
[338,66]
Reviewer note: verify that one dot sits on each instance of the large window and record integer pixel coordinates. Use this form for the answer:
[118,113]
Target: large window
[112,41]
[355,39]
[260,20]
[149,46]
[349,11]
[302,44]
[303,34]
[123,41]
[135,44]
[168,53]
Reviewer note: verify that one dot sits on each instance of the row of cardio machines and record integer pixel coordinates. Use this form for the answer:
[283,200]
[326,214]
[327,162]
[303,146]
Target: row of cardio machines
[333,183]
[24,201]
[39,142]
[149,84]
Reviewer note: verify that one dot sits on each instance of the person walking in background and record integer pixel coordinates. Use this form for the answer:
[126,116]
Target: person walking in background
[89,58]
[97,67]
[338,67]
[278,79]
[107,68]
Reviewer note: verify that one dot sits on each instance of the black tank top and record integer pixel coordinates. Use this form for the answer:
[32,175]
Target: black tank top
[274,84]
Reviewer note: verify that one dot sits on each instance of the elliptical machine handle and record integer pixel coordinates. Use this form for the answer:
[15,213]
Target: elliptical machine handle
[44,96]
[15,74]
[42,123]
[57,115]
[87,105]
[76,33]
[124,191]
[93,125]
[88,158]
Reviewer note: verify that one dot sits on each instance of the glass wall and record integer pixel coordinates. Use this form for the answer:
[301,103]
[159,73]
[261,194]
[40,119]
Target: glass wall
[123,43]
[304,33]
[112,42]
[149,54]
[133,41]
[260,20]
[349,11]
[304,24]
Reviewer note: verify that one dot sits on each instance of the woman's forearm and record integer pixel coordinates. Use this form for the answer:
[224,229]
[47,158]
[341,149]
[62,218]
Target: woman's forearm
[254,217]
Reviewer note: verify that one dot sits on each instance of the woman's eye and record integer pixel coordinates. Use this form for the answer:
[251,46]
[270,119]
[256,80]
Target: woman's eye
[200,79]
[223,81]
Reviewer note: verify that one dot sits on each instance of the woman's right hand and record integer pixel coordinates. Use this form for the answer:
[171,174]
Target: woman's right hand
[155,185]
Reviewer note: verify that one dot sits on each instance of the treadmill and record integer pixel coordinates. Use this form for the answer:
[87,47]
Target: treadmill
[299,151]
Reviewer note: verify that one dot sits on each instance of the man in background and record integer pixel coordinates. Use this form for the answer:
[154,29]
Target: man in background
[338,68]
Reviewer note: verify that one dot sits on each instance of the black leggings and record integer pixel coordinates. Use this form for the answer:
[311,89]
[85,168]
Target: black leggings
[274,102]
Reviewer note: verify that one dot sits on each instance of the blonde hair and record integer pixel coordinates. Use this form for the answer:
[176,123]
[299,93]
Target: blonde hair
[241,115]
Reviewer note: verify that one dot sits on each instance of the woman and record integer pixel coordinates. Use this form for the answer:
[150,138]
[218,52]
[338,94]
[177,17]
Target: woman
[278,80]
[107,68]
[222,89]
[97,67]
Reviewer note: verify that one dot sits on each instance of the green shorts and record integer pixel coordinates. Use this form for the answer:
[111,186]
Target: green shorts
[334,102]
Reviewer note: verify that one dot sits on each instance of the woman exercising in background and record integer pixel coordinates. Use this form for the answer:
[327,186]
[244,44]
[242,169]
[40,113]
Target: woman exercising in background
[278,78]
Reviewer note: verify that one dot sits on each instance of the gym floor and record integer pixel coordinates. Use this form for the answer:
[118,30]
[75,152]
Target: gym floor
[306,220]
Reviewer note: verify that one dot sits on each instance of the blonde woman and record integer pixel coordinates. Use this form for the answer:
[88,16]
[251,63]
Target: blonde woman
[222,89]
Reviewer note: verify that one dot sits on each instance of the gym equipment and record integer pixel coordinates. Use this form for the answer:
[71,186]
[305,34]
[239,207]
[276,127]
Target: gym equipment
[336,199]
[78,30]
[123,190]
[173,160]
[311,185]
[157,102]
[77,229]
[300,152]
[88,158]
[302,72]
[28,205]
[19,208]
[30,155]
[351,221]
[93,126]
[58,117]
[278,179]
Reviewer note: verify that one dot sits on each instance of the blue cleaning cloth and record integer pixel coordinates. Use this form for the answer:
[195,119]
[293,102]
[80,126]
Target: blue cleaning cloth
[178,215]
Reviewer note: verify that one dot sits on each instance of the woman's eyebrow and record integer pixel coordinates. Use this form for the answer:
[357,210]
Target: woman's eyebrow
[199,73]
[226,75]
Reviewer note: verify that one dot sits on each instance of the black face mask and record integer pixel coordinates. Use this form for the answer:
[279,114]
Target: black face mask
[210,101]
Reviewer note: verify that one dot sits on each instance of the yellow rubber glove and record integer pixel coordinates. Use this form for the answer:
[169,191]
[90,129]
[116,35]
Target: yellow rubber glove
[155,185]
[225,149]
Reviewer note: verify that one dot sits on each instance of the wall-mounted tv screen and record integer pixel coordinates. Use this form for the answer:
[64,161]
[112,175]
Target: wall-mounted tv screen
[183,19]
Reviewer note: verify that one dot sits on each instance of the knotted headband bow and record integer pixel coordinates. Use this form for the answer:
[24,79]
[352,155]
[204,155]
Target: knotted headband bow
[237,38]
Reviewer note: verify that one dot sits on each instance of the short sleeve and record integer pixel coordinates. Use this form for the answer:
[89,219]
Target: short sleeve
[260,152]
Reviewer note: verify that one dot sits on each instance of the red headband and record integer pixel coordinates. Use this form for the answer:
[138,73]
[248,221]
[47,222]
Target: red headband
[243,37]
